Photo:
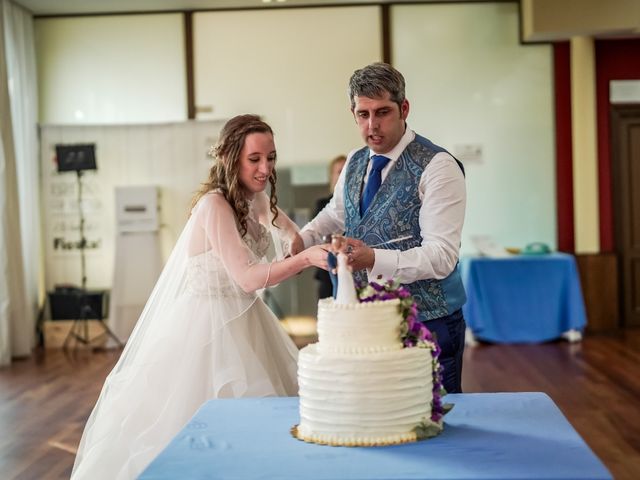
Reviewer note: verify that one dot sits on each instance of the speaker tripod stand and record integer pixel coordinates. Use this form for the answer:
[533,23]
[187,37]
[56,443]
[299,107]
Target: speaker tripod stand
[80,328]
[79,332]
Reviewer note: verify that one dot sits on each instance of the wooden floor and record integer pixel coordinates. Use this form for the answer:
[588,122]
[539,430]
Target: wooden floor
[45,400]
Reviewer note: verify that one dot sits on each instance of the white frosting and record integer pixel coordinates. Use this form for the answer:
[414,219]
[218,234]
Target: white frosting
[363,399]
[359,327]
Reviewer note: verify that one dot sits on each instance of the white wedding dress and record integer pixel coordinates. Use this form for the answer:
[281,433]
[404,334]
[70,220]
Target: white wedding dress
[204,333]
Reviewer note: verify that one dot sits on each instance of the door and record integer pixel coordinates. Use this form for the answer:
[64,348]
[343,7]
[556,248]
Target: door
[625,136]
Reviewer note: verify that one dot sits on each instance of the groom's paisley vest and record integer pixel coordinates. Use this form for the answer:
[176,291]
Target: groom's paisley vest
[394,213]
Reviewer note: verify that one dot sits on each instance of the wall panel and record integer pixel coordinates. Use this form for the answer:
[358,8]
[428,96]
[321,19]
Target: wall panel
[290,66]
[111,69]
[472,84]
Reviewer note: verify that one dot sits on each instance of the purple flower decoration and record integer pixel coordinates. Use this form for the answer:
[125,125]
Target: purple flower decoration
[416,333]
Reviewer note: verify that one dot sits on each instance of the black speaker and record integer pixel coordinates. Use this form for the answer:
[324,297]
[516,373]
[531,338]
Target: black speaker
[76,157]
[67,303]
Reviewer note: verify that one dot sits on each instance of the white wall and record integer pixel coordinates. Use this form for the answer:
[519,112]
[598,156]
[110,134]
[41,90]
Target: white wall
[111,69]
[172,157]
[291,66]
[470,82]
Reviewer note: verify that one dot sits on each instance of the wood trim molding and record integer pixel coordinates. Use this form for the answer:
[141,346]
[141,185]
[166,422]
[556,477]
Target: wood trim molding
[385,19]
[600,289]
[188,45]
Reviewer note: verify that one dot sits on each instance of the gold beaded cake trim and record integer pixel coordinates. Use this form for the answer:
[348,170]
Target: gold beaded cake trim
[409,438]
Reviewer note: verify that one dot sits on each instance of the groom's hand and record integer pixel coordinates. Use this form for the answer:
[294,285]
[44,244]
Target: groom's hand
[360,256]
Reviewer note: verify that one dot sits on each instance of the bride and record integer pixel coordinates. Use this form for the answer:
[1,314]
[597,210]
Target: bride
[204,332]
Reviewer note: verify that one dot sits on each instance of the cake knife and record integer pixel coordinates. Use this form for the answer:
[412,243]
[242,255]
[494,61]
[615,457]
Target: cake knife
[327,239]
[395,240]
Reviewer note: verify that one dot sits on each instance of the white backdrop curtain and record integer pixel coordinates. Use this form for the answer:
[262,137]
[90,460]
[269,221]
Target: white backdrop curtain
[20,244]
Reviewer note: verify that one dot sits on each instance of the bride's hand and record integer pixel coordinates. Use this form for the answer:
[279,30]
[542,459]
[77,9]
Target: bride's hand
[317,256]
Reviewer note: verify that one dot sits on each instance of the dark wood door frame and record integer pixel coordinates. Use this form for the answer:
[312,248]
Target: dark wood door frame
[625,154]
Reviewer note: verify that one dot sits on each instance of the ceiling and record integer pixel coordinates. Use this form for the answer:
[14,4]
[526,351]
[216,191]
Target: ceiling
[71,7]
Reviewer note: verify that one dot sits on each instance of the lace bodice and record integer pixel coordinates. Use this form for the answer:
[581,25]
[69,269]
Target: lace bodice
[206,273]
[257,238]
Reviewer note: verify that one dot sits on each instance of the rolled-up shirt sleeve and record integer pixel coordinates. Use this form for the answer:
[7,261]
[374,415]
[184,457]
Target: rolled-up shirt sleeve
[330,219]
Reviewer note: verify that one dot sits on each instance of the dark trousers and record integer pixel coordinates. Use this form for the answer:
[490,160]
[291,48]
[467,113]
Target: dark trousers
[449,333]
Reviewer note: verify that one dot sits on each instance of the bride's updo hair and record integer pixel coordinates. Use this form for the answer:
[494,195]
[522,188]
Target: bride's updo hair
[223,175]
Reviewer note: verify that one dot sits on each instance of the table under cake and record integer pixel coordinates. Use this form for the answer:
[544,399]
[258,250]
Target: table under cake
[486,436]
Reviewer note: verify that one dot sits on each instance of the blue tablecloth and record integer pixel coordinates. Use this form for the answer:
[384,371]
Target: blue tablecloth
[522,299]
[486,436]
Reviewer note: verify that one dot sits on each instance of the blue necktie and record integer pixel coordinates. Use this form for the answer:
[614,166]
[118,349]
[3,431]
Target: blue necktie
[378,162]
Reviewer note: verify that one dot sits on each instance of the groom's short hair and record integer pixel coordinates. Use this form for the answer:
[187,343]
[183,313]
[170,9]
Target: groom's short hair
[374,80]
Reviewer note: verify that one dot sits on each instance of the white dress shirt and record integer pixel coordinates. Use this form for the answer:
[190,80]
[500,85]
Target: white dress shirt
[443,195]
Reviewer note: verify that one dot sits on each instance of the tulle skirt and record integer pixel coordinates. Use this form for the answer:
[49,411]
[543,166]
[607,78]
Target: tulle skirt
[143,405]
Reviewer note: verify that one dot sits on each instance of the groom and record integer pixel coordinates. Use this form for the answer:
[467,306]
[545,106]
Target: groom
[406,196]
